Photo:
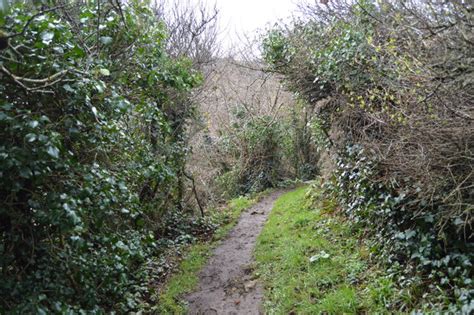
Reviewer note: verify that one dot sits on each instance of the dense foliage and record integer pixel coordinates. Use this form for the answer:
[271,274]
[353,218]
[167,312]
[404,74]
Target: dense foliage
[95,101]
[251,134]
[91,154]
[263,151]
[254,144]
[392,85]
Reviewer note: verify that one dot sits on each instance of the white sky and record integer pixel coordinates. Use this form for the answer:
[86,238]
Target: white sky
[239,17]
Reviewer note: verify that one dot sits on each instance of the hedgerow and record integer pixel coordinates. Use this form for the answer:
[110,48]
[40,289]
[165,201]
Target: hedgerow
[91,152]
[391,85]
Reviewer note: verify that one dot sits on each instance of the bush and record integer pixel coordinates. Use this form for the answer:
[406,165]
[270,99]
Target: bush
[90,153]
[386,80]
[262,151]
[255,146]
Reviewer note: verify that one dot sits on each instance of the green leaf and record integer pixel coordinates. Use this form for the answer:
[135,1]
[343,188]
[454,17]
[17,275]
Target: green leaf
[47,37]
[7,106]
[26,172]
[104,72]
[75,52]
[58,50]
[33,123]
[100,86]
[53,151]
[68,88]
[31,137]
[409,234]
[106,40]
[322,255]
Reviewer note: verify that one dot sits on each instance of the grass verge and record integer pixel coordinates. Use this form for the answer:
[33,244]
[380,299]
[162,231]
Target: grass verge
[186,278]
[311,262]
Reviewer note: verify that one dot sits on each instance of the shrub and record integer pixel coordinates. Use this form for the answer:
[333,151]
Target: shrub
[90,154]
[392,79]
[255,146]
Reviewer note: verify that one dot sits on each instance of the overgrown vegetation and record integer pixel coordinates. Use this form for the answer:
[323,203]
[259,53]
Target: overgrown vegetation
[256,150]
[255,146]
[98,186]
[391,83]
[97,97]
[91,155]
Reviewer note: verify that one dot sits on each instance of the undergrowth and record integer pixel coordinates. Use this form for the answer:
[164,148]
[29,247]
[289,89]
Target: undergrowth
[433,270]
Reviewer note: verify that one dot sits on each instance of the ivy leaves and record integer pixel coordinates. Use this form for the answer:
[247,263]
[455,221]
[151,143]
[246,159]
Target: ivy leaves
[87,155]
[404,237]
[47,37]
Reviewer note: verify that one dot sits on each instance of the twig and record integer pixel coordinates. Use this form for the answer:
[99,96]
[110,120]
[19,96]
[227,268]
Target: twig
[49,81]
[195,193]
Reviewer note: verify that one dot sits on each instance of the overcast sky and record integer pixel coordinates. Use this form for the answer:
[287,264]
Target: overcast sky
[239,17]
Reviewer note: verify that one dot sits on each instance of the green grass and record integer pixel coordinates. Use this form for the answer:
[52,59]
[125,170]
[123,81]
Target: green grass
[185,279]
[311,262]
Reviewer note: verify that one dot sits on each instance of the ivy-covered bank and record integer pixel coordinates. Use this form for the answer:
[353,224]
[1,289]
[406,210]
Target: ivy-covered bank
[430,272]
[92,149]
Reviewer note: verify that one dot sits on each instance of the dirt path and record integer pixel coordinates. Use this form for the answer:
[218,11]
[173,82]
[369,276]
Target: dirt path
[226,284]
